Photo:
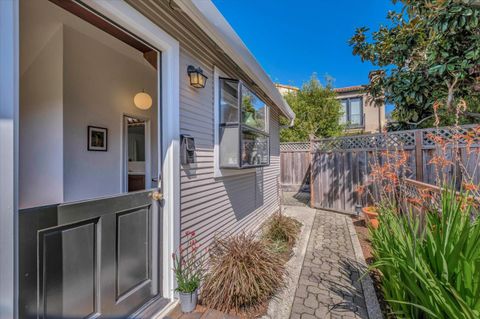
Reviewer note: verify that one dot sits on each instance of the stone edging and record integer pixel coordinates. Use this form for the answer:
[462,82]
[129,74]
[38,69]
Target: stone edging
[371,300]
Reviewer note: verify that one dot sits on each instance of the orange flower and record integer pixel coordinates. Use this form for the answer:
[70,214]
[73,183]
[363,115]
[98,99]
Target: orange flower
[470,187]
[360,189]
[440,161]
[414,200]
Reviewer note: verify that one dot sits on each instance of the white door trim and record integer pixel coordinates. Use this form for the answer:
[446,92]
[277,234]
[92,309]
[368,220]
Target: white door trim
[169,86]
[9,86]
[148,151]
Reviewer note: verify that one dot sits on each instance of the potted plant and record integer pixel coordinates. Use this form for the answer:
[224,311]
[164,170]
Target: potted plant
[188,269]
[371,214]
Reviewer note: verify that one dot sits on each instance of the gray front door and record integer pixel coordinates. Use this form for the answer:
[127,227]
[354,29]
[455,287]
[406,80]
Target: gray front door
[90,259]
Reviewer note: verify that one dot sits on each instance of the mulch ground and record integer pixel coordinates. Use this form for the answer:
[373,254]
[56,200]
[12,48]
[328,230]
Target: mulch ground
[364,238]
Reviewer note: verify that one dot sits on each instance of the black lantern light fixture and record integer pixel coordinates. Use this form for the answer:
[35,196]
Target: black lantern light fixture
[197,78]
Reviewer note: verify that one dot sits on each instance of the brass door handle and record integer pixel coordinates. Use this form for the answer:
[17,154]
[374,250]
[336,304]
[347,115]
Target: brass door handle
[156,195]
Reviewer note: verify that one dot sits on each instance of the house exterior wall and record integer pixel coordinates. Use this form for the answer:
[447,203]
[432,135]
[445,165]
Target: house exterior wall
[209,205]
[373,115]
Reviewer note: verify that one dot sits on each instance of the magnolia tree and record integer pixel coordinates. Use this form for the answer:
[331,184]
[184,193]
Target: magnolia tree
[428,55]
[317,112]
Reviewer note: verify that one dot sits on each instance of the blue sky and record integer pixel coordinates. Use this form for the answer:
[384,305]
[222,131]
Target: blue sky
[294,38]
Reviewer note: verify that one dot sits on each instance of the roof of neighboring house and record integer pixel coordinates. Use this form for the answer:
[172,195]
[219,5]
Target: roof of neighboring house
[349,89]
[206,16]
[288,87]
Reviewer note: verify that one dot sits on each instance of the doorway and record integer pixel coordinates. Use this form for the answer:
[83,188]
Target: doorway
[88,247]
[137,154]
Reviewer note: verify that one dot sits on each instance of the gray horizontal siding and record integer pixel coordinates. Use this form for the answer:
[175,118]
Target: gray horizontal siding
[213,206]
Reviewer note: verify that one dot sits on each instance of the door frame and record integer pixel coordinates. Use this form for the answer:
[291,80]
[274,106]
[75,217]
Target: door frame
[9,101]
[148,151]
[169,115]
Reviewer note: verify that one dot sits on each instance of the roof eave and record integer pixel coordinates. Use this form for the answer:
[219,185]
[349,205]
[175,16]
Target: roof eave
[206,15]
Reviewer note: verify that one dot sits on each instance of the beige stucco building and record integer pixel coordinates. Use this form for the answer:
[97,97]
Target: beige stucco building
[360,113]
[286,89]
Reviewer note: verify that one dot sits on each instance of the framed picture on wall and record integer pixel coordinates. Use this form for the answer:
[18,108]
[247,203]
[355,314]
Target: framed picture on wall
[97,138]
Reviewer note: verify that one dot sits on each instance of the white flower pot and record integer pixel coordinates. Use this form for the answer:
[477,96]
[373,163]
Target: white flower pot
[188,301]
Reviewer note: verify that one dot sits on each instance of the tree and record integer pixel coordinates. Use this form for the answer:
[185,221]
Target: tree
[429,55]
[317,112]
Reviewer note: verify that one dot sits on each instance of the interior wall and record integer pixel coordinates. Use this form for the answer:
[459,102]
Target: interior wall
[72,77]
[41,111]
[99,87]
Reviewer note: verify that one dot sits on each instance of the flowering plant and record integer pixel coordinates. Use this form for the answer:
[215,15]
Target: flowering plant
[427,245]
[187,265]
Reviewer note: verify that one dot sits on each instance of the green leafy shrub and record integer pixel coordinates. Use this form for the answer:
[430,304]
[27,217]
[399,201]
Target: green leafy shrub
[430,263]
[243,274]
[281,232]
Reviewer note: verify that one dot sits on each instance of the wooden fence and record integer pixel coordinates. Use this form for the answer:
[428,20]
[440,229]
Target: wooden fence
[295,166]
[338,166]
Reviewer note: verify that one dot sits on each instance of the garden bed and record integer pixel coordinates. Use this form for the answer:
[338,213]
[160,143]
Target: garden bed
[247,271]
[363,235]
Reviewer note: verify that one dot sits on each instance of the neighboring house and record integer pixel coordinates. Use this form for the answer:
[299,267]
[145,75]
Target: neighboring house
[120,129]
[360,114]
[286,89]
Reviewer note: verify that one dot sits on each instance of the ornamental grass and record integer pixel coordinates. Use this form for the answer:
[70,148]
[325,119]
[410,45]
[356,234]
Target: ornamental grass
[281,232]
[244,273]
[430,263]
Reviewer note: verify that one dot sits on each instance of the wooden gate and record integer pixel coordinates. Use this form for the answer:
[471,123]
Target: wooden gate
[295,166]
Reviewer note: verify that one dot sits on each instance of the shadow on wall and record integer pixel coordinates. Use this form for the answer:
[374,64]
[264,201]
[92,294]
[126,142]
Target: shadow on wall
[245,192]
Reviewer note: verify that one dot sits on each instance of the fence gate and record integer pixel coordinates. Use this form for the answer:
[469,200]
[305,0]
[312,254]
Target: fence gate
[295,166]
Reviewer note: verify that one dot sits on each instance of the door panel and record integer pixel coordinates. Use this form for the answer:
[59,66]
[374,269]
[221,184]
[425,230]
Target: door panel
[133,256]
[68,271]
[95,258]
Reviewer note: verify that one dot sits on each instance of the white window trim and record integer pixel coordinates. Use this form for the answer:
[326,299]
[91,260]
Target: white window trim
[217,171]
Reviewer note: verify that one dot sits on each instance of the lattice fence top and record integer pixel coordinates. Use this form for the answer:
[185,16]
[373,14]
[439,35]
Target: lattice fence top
[468,134]
[404,139]
[295,147]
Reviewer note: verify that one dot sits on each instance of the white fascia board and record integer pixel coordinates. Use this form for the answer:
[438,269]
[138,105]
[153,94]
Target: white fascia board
[206,16]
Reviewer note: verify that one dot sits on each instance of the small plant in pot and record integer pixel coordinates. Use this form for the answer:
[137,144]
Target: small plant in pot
[371,213]
[188,269]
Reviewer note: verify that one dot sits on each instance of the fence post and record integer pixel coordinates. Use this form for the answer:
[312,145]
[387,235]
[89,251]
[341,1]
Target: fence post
[419,155]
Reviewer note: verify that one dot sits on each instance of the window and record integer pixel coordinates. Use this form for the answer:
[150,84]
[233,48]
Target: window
[352,112]
[243,127]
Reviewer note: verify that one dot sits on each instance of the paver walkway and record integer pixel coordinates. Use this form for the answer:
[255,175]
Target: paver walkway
[328,283]
[328,286]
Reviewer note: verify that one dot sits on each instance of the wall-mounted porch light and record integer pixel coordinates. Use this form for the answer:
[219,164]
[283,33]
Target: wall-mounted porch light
[197,78]
[142,100]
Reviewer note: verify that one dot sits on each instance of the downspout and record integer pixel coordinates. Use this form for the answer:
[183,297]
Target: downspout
[289,125]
